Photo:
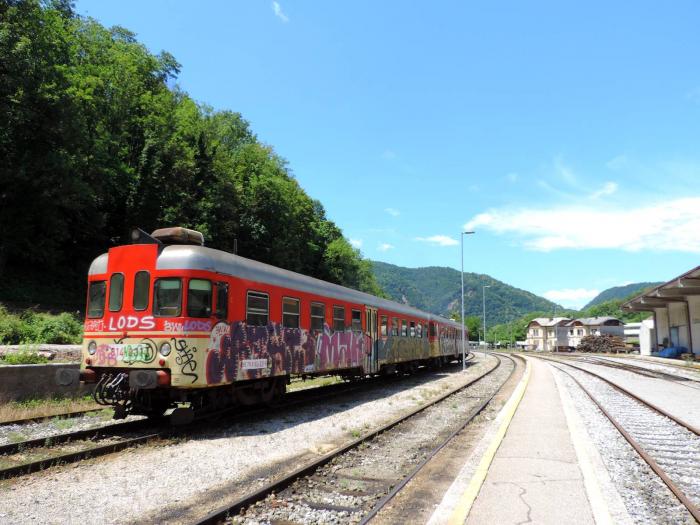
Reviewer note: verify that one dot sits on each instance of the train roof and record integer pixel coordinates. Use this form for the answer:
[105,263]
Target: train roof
[186,257]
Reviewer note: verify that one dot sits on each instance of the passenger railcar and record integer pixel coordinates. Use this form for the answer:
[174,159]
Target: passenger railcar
[171,323]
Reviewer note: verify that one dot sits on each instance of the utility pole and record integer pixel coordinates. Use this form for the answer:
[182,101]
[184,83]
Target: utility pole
[464,355]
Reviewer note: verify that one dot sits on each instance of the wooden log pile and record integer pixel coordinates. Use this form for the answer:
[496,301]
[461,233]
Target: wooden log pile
[602,344]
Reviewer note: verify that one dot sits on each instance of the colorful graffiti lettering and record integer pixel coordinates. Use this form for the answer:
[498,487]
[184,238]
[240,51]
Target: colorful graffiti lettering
[190,325]
[185,358]
[131,321]
[94,325]
[238,351]
[129,353]
[340,349]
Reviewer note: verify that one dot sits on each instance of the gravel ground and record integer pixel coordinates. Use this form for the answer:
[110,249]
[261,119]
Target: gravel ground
[646,497]
[57,426]
[347,488]
[193,475]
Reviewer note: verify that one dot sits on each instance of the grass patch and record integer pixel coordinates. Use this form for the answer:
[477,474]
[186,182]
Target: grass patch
[49,407]
[26,356]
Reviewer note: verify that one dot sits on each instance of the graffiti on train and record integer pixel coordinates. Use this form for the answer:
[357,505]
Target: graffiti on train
[238,351]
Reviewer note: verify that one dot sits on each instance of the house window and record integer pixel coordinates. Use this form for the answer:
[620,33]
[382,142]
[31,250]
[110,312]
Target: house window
[257,309]
[338,318]
[290,312]
[383,325]
[318,316]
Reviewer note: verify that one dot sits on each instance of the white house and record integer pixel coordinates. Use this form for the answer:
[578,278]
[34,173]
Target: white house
[580,328]
[547,334]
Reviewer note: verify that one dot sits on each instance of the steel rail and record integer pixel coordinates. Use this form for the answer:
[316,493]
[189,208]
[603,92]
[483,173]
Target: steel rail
[292,399]
[475,412]
[60,415]
[634,396]
[685,501]
[286,480]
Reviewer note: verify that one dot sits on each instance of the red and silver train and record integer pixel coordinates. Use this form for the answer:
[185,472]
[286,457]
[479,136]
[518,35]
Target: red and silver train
[173,324]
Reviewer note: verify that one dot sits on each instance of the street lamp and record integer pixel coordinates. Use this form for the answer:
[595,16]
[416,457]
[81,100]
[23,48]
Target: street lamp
[483,294]
[464,356]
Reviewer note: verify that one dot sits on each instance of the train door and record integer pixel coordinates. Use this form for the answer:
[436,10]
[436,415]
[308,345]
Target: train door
[372,331]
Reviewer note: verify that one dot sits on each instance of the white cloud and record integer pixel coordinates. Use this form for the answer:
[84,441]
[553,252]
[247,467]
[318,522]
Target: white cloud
[672,225]
[571,296]
[357,243]
[385,247]
[392,211]
[608,189]
[512,177]
[277,8]
[438,240]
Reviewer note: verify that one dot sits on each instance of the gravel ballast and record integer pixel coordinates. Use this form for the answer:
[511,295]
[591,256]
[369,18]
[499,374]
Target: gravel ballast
[646,497]
[194,475]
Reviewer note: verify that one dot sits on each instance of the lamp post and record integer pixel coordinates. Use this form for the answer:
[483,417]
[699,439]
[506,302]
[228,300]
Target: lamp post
[483,294]
[461,239]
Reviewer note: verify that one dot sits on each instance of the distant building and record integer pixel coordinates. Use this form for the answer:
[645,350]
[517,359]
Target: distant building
[580,328]
[547,334]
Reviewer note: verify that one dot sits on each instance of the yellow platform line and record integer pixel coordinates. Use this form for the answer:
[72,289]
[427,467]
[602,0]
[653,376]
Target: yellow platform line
[464,505]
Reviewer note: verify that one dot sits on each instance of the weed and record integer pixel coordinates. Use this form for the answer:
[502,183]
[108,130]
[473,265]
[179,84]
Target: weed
[16,437]
[355,433]
[63,423]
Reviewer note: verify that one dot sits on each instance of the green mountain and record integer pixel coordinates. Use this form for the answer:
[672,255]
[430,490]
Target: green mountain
[619,292]
[436,289]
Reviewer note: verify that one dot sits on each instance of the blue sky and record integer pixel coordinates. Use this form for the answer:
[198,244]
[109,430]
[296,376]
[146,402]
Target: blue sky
[567,136]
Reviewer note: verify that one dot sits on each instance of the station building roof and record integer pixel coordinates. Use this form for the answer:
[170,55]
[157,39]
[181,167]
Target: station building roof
[675,290]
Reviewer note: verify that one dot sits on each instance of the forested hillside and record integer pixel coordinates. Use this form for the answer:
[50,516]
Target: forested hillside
[619,292]
[97,137]
[437,289]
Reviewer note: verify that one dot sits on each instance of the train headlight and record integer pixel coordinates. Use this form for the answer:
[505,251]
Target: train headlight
[165,349]
[92,348]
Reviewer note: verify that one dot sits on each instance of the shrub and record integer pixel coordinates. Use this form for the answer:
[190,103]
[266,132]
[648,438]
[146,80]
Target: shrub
[23,357]
[38,328]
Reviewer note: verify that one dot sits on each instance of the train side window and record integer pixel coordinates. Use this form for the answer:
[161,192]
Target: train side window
[116,292]
[419,330]
[257,308]
[318,316]
[338,318]
[395,326]
[413,329]
[383,326]
[290,312]
[221,300]
[404,331]
[142,289]
[432,329]
[357,321]
[199,298]
[167,297]
[97,293]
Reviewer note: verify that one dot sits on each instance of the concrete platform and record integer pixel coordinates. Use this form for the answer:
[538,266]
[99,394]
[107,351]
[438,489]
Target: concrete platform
[535,476]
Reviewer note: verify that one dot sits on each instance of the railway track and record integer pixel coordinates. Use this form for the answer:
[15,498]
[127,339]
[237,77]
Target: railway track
[60,415]
[640,370]
[355,481]
[668,445]
[31,455]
